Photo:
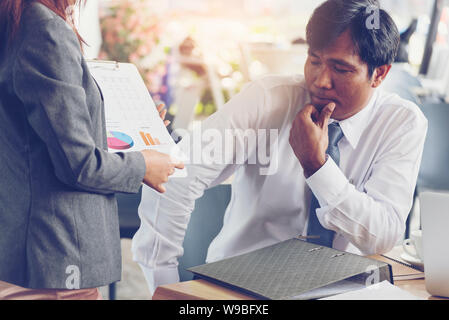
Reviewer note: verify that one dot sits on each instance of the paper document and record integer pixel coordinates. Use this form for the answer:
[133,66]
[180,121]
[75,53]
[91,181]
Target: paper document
[379,291]
[132,120]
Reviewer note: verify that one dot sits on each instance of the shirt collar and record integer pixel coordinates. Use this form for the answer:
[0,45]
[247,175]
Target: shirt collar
[354,126]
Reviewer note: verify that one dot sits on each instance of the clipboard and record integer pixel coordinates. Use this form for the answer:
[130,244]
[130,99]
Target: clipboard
[132,120]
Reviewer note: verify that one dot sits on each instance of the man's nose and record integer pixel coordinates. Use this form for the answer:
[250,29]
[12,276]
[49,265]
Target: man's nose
[324,80]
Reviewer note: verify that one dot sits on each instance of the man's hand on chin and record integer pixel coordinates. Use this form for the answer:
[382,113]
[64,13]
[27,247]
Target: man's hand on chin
[309,137]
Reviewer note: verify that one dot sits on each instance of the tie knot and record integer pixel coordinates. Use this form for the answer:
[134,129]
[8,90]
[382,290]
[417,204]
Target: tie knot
[335,134]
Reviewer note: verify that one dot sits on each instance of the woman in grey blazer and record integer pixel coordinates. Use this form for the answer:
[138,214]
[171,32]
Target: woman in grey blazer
[58,214]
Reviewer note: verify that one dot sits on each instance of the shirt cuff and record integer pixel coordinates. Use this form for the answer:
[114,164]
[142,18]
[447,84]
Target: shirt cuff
[159,277]
[328,183]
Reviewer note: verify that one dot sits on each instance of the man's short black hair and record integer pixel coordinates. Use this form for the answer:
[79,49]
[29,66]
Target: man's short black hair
[376,43]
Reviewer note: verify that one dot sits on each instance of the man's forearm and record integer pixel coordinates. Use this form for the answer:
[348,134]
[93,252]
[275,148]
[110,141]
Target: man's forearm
[372,219]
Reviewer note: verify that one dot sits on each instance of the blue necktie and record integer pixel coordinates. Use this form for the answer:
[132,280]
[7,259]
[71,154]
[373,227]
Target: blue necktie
[315,228]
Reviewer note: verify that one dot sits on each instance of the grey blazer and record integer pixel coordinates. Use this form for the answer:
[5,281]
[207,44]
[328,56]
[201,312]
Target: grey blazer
[58,213]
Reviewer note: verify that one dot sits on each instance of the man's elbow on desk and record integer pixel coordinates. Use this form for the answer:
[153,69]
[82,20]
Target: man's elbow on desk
[382,242]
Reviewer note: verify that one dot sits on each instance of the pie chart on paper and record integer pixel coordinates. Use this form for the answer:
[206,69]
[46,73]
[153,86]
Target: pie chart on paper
[119,140]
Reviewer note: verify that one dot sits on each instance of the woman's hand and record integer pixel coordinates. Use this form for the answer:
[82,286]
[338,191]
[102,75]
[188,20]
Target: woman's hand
[159,167]
[163,113]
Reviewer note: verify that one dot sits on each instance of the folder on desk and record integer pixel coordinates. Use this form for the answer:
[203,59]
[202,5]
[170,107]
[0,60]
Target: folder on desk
[295,269]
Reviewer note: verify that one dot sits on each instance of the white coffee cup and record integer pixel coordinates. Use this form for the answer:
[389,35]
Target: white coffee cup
[414,241]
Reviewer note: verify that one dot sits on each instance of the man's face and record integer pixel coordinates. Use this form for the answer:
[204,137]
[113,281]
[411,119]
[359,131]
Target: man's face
[337,74]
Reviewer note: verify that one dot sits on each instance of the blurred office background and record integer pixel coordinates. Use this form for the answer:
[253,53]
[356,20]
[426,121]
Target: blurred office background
[194,55]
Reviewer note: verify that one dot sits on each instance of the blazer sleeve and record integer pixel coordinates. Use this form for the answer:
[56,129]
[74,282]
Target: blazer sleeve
[48,79]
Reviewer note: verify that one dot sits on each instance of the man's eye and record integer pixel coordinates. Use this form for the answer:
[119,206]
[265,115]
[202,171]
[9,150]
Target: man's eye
[315,63]
[341,70]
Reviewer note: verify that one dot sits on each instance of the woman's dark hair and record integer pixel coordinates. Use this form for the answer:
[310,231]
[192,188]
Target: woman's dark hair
[11,12]
[374,33]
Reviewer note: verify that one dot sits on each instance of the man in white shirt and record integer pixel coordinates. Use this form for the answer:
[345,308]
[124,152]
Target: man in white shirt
[358,187]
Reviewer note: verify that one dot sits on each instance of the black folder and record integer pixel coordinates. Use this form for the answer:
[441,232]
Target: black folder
[295,269]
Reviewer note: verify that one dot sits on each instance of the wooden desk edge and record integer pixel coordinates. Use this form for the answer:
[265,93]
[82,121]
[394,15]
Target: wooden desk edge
[170,293]
[197,290]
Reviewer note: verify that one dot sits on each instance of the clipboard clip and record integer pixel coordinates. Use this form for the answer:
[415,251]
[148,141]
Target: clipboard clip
[114,65]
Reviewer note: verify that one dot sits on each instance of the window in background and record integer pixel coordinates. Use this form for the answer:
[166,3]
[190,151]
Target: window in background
[443,26]
[218,29]
[403,13]
[232,42]
[88,23]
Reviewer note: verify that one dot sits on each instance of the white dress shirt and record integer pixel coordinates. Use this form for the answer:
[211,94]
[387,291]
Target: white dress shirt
[365,200]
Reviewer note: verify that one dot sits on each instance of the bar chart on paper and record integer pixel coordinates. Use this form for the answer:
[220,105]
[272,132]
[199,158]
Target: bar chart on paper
[148,139]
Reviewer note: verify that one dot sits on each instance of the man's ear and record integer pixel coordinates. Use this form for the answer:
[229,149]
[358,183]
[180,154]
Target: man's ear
[379,75]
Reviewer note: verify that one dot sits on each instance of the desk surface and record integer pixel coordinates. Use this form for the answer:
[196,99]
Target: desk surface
[205,290]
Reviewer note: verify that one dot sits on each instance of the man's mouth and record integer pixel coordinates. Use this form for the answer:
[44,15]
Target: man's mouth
[322,99]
